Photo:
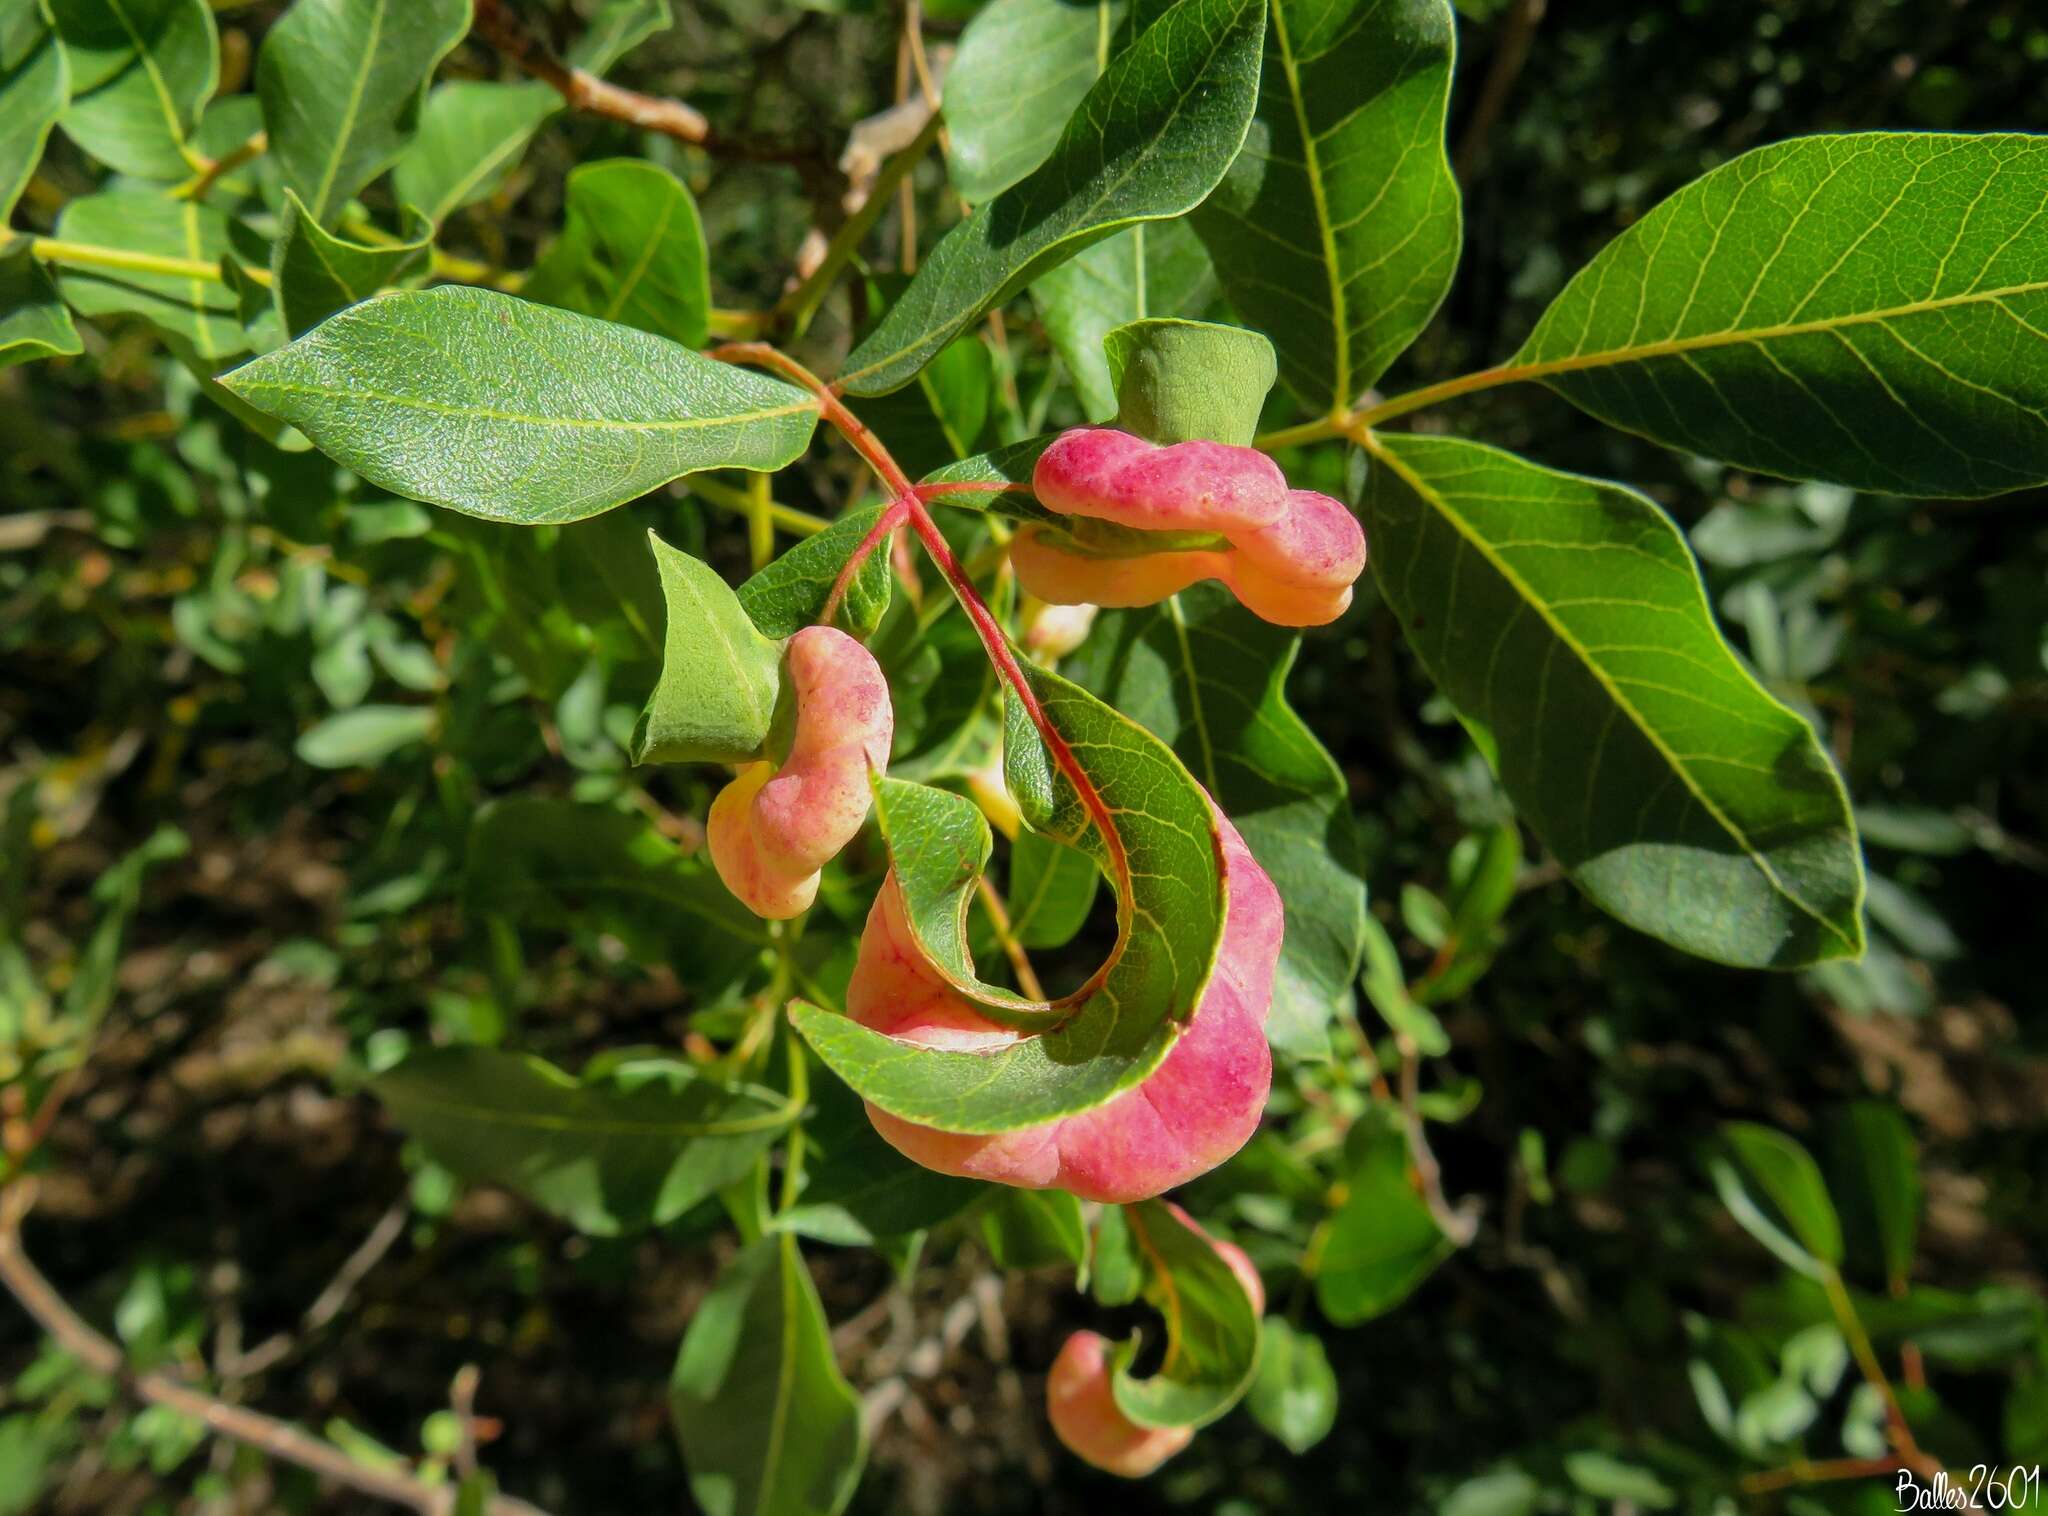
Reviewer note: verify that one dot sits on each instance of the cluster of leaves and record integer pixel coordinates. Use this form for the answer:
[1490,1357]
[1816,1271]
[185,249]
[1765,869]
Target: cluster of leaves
[1209,193]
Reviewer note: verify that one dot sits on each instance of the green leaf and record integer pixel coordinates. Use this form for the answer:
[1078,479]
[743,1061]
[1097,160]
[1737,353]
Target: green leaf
[1052,890]
[719,676]
[33,320]
[1170,923]
[1028,1229]
[539,862]
[1784,1174]
[1157,269]
[790,593]
[518,412]
[1011,463]
[1565,618]
[1116,1270]
[1148,142]
[365,736]
[141,72]
[632,1144]
[767,1425]
[999,132]
[1294,1395]
[632,251]
[201,311]
[1869,309]
[471,132]
[857,1189]
[1209,678]
[342,83]
[1181,380]
[314,273]
[1605,1476]
[939,845]
[1336,232]
[1877,1167]
[1382,1243]
[1212,1329]
[35,84]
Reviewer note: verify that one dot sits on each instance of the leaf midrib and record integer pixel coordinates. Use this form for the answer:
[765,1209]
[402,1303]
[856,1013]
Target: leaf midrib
[1741,336]
[1522,588]
[350,113]
[1313,173]
[484,413]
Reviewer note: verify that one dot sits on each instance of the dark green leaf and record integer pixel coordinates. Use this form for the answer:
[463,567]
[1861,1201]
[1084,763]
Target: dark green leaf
[554,863]
[1877,1170]
[33,321]
[1156,269]
[1055,49]
[719,676]
[767,1425]
[342,82]
[1052,890]
[1149,140]
[1869,309]
[1116,1270]
[633,1144]
[35,83]
[1028,1229]
[1565,618]
[1209,678]
[857,1189]
[1786,1190]
[1382,1243]
[202,311]
[1294,1395]
[518,412]
[632,251]
[141,72]
[1169,927]
[471,131]
[1212,1327]
[314,273]
[1336,232]
[790,593]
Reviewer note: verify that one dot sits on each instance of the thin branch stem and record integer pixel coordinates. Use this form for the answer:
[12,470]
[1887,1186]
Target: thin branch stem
[999,918]
[582,90]
[268,1435]
[801,304]
[1804,1472]
[1459,1225]
[255,147]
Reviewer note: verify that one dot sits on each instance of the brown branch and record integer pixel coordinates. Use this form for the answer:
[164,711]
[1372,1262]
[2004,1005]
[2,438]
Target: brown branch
[267,1434]
[584,91]
[1459,1223]
[1510,53]
[327,1305]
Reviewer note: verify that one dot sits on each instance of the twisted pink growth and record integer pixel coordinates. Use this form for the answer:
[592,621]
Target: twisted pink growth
[1198,1107]
[771,832]
[1290,556]
[1082,1405]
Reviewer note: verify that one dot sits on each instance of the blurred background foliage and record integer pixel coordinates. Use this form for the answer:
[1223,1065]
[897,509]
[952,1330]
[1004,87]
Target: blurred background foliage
[241,888]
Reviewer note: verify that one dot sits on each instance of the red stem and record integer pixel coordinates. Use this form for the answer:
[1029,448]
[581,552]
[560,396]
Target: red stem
[904,496]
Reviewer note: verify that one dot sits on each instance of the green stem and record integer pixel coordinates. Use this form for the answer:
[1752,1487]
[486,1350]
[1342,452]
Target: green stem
[797,523]
[801,303]
[793,1148]
[760,522]
[88,255]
